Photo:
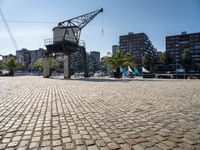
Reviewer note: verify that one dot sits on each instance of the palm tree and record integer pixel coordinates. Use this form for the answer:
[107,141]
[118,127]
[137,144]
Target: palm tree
[1,64]
[11,64]
[146,61]
[38,64]
[53,64]
[120,59]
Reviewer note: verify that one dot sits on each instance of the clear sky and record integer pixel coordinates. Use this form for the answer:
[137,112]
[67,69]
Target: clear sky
[157,18]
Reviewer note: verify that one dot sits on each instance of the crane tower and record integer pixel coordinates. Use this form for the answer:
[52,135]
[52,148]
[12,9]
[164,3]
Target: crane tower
[66,39]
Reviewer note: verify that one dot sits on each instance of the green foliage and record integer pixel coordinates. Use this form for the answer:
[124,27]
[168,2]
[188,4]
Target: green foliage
[38,64]
[11,64]
[165,58]
[119,59]
[53,64]
[186,58]
[146,61]
[104,59]
[1,64]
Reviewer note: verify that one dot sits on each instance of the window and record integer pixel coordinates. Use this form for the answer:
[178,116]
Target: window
[197,47]
[184,42]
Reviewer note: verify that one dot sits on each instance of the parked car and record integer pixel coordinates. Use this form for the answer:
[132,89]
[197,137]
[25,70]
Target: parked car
[4,72]
[98,74]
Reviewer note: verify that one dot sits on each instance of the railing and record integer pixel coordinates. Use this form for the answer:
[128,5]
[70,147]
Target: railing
[54,40]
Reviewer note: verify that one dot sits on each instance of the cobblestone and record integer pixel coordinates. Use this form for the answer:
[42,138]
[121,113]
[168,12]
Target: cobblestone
[38,113]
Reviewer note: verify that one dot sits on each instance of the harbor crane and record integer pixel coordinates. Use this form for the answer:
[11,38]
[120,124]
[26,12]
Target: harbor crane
[66,39]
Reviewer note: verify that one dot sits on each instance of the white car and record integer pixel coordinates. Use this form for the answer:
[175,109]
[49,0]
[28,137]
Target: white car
[98,74]
[5,72]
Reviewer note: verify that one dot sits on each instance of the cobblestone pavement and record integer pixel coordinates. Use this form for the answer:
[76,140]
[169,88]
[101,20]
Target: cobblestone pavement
[37,113]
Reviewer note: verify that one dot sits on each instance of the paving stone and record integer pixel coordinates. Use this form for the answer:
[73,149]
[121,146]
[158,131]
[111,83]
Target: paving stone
[82,147]
[69,145]
[46,143]
[162,146]
[113,145]
[66,140]
[34,145]
[189,141]
[170,144]
[93,147]
[100,143]
[125,146]
[89,142]
[43,114]
[58,148]
[140,140]
[56,143]
[2,146]
[13,144]
[76,136]
[138,147]
[79,142]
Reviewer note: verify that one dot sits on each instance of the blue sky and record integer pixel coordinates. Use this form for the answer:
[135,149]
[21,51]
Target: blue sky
[157,18]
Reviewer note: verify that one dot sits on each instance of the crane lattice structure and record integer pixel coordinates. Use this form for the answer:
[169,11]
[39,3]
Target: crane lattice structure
[66,39]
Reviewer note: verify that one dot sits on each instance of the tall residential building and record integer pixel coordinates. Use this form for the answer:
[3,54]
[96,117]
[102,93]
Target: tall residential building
[77,62]
[90,64]
[28,57]
[115,48]
[137,44]
[37,54]
[24,56]
[176,44]
[96,59]
[8,56]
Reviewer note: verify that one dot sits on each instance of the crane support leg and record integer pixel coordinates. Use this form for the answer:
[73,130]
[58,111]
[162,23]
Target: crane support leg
[46,67]
[66,66]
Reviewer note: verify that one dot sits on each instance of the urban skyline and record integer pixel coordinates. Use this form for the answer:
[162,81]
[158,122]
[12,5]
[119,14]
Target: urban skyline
[152,18]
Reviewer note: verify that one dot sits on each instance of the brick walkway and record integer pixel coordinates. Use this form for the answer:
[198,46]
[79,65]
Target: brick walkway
[37,113]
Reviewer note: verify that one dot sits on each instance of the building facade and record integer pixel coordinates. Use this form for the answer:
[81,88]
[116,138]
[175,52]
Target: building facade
[115,48]
[28,57]
[137,44]
[95,55]
[176,44]
[24,56]
[77,62]
[37,54]
[8,56]
[90,63]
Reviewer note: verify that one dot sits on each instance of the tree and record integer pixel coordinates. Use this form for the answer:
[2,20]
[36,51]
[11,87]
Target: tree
[38,64]
[1,64]
[103,65]
[53,64]
[146,61]
[165,58]
[11,64]
[120,59]
[186,59]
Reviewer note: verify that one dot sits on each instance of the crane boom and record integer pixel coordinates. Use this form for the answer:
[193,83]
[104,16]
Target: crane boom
[80,21]
[70,30]
[9,31]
